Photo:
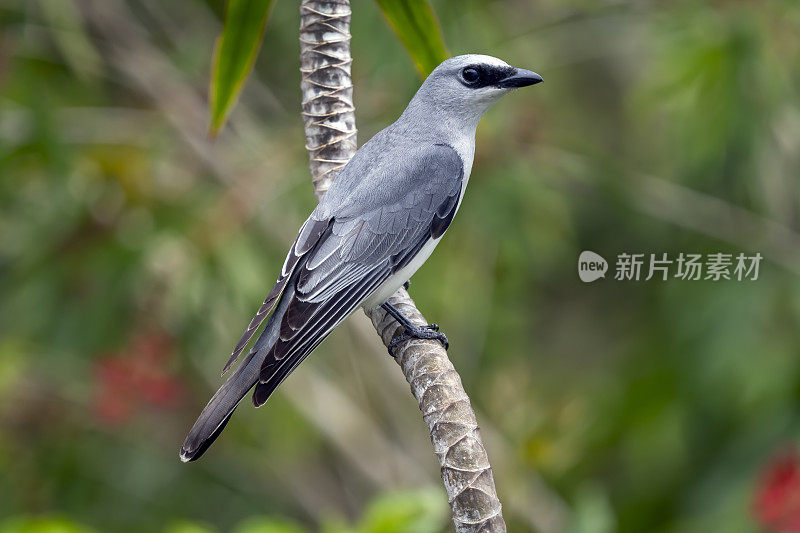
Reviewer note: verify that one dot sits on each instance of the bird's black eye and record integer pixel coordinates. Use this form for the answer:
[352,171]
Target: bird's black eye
[470,75]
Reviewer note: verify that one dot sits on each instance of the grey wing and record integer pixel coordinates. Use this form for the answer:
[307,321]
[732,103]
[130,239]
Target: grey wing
[356,255]
[309,234]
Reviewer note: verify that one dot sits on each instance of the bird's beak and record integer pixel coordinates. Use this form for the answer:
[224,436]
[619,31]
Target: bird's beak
[520,78]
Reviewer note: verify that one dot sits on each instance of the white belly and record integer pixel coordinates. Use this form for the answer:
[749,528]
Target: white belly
[397,279]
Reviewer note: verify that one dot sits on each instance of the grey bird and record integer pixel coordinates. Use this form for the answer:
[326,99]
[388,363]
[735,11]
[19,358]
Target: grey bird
[378,223]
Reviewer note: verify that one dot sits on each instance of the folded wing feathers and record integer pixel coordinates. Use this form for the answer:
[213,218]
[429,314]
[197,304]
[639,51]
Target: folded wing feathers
[356,244]
[257,320]
[309,234]
[290,351]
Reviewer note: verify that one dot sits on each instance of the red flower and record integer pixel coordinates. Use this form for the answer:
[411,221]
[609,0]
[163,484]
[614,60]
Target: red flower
[777,498]
[136,377]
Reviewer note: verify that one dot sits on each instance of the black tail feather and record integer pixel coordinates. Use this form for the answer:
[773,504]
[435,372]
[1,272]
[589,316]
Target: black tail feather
[219,409]
[188,455]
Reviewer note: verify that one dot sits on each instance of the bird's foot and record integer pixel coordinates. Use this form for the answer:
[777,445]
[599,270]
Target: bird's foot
[429,332]
[407,284]
[412,331]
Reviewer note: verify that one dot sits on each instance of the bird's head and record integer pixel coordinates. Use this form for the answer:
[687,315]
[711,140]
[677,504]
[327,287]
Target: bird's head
[470,84]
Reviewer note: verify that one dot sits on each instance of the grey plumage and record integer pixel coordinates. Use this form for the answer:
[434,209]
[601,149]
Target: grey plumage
[380,220]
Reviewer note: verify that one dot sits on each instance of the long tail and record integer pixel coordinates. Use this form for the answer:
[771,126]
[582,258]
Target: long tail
[220,408]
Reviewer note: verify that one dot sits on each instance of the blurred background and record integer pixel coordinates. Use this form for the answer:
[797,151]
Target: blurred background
[134,250]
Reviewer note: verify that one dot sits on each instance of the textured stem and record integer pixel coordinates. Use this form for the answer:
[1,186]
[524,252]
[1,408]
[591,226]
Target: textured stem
[445,407]
[328,111]
[331,141]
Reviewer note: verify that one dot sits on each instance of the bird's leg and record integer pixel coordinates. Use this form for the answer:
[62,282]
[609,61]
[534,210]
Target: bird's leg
[412,331]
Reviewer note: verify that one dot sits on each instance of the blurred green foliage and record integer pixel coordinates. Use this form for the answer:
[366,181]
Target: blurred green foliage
[134,250]
[235,54]
[393,512]
[416,25]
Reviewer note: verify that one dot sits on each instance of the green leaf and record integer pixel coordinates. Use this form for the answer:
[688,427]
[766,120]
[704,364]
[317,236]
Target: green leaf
[235,53]
[416,25]
[417,511]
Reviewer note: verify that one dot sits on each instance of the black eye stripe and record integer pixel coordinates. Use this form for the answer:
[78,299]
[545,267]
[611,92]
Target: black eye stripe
[487,75]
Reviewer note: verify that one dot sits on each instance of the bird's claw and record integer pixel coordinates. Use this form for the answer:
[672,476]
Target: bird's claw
[429,332]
